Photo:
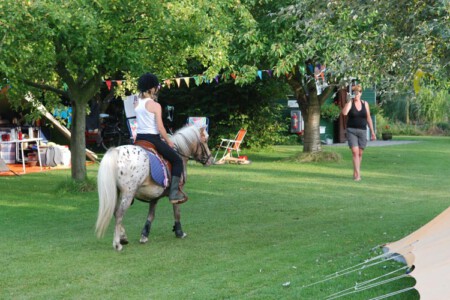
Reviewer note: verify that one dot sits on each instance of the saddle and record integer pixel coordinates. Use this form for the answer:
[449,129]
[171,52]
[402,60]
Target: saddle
[160,168]
[164,166]
[151,148]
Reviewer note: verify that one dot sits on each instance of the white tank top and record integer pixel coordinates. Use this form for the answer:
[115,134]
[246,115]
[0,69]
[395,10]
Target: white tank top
[146,121]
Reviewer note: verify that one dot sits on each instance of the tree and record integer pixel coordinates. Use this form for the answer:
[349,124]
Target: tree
[65,48]
[369,40]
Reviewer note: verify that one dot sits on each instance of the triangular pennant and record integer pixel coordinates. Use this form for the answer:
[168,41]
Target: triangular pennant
[233,76]
[197,80]
[108,84]
[260,74]
[168,82]
[186,79]
[217,78]
[119,82]
[178,81]
[65,87]
[269,72]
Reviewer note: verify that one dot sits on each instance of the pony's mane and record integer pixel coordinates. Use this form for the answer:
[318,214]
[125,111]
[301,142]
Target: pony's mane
[185,137]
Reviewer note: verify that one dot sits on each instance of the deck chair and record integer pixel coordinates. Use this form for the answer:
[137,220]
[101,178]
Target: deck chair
[5,168]
[228,146]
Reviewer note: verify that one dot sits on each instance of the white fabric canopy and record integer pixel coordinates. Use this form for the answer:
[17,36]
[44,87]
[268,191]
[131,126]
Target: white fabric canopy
[428,251]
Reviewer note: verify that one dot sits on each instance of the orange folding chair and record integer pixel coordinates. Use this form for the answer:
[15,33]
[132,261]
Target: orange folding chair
[229,146]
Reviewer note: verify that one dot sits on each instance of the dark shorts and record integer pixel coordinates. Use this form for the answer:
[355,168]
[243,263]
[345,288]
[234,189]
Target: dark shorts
[357,137]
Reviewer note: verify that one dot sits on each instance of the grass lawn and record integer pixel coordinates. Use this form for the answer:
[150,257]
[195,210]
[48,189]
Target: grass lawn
[251,229]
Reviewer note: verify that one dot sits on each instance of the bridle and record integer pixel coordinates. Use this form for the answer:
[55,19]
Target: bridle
[204,157]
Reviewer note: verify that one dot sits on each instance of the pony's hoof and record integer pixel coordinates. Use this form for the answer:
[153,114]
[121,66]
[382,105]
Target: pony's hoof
[143,239]
[180,235]
[117,247]
[178,231]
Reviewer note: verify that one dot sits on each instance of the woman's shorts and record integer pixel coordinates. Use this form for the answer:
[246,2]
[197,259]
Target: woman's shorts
[357,137]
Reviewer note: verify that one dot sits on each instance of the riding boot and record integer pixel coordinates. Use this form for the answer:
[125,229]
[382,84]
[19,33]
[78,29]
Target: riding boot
[176,196]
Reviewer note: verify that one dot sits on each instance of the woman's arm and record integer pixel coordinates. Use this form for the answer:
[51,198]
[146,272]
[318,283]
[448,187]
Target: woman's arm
[369,122]
[347,106]
[159,123]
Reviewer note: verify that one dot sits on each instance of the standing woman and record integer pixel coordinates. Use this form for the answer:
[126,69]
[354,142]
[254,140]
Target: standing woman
[358,113]
[150,128]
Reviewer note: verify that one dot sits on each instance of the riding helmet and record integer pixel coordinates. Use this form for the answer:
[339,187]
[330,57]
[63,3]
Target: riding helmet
[147,82]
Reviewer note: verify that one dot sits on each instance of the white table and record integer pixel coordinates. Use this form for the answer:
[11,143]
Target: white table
[21,142]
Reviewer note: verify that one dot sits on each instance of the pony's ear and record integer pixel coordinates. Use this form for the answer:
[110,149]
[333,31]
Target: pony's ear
[203,134]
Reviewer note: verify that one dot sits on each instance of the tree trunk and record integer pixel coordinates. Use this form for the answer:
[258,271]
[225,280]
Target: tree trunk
[309,103]
[311,117]
[78,141]
[80,92]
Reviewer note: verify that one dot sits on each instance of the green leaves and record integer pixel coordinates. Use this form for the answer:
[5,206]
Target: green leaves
[330,111]
[355,38]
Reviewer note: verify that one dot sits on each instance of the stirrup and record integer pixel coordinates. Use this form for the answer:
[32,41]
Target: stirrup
[185,199]
[179,201]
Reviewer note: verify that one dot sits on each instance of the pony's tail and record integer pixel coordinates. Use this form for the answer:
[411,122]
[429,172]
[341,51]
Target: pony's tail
[107,191]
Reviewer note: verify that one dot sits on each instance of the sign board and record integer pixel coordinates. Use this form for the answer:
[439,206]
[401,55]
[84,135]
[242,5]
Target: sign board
[199,122]
[292,103]
[128,105]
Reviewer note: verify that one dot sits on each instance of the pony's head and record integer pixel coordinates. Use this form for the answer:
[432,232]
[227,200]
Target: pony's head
[192,141]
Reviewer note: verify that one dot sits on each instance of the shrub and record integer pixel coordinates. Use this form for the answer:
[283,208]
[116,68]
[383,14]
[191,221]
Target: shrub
[330,111]
[265,127]
[445,126]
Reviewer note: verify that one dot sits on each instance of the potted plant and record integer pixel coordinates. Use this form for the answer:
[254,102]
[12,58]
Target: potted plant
[386,134]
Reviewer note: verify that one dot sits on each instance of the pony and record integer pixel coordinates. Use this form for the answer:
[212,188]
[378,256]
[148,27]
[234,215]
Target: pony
[124,174]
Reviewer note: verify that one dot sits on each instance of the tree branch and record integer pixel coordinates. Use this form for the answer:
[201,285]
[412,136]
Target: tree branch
[326,93]
[61,66]
[46,87]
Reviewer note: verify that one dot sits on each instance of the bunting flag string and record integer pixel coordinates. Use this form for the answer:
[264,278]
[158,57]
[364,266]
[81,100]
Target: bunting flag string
[318,70]
[198,79]
[110,82]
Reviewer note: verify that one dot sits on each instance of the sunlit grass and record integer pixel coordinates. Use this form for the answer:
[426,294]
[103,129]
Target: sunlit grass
[251,229]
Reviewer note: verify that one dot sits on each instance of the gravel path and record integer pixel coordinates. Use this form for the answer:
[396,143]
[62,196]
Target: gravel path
[377,143]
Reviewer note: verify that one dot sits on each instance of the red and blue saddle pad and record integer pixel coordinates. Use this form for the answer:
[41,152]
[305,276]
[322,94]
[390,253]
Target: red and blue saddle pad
[158,169]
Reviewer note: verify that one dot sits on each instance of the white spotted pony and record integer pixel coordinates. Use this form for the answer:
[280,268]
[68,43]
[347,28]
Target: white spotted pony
[124,174]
